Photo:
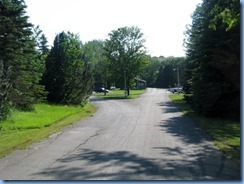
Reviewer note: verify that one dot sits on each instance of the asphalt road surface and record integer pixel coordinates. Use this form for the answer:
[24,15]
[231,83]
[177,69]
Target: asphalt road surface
[142,139]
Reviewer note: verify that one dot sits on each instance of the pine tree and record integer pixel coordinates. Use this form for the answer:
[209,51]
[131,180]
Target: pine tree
[18,55]
[211,54]
[67,77]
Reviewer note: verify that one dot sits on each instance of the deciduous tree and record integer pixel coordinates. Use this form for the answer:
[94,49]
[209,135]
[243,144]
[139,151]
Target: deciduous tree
[126,54]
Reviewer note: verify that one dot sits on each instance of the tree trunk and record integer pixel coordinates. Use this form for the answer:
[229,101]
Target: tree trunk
[128,91]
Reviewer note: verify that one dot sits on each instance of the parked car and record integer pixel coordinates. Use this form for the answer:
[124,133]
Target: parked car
[176,90]
[101,90]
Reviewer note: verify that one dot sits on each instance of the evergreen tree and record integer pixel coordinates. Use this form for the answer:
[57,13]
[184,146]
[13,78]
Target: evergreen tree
[18,56]
[5,86]
[41,41]
[67,77]
[41,48]
[213,57]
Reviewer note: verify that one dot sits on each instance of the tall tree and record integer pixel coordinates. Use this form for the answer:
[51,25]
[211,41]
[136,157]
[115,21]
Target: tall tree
[151,70]
[213,56]
[41,41]
[126,54]
[5,86]
[18,55]
[41,48]
[170,68]
[93,53]
[67,77]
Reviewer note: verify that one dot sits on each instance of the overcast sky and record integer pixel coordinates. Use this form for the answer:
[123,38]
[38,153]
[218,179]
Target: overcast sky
[162,22]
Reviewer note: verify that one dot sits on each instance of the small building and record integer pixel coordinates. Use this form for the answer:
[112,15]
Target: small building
[140,84]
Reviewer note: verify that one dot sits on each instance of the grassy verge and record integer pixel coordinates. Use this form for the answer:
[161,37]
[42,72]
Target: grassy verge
[119,94]
[24,128]
[226,134]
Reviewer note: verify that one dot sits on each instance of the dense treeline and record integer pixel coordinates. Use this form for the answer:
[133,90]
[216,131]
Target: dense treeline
[213,59]
[30,72]
[19,60]
[162,72]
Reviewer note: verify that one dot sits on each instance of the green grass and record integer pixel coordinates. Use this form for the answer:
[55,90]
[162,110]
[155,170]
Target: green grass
[25,128]
[120,94]
[225,133]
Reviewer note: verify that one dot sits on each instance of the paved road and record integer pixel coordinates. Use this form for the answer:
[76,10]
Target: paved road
[142,139]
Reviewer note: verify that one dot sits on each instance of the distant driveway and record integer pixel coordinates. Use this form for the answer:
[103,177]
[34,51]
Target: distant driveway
[142,139]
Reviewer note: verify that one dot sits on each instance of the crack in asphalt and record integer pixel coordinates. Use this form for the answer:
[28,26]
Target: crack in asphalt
[81,144]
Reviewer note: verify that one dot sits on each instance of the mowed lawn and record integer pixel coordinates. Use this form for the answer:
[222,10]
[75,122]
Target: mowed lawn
[23,128]
[225,133]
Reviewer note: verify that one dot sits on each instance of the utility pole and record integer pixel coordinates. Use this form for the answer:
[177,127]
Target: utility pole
[125,84]
[178,78]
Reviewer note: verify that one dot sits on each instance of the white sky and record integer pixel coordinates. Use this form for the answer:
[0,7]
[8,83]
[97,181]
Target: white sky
[161,21]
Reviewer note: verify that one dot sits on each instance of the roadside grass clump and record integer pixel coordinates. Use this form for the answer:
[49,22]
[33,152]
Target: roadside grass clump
[24,128]
[120,94]
[225,133]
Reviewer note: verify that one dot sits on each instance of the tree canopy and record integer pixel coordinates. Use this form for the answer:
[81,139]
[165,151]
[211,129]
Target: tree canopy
[67,77]
[19,62]
[93,53]
[213,58]
[126,54]
[210,72]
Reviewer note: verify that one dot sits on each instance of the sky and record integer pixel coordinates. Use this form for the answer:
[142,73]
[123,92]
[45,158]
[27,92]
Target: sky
[162,22]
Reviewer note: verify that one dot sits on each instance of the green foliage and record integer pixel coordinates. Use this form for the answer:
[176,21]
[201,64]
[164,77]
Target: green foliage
[93,53]
[161,72]
[67,77]
[125,53]
[5,86]
[213,63]
[151,70]
[228,11]
[19,63]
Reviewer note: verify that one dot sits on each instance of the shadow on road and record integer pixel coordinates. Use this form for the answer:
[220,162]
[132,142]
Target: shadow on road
[190,156]
[89,164]
[97,99]
[185,129]
[95,165]
[168,107]
[181,126]
[197,145]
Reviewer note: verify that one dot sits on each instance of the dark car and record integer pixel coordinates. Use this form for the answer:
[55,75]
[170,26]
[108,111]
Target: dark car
[101,90]
[176,90]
